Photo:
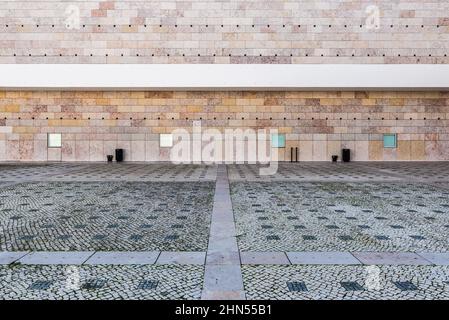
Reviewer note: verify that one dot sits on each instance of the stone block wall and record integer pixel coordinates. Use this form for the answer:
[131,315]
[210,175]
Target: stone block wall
[230,31]
[94,123]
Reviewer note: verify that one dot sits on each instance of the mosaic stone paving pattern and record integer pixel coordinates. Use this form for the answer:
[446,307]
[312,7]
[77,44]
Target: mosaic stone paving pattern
[436,171]
[310,171]
[35,171]
[336,216]
[101,282]
[346,282]
[354,172]
[121,216]
[140,172]
[107,172]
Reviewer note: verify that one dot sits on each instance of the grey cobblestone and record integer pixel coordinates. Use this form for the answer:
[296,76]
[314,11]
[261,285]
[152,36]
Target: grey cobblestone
[434,172]
[364,216]
[100,282]
[325,282]
[94,216]
[376,207]
[161,172]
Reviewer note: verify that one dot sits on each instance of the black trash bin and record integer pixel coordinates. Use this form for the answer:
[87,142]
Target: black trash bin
[119,155]
[346,155]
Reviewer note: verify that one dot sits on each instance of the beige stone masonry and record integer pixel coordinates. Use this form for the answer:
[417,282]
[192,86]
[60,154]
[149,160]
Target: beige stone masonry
[320,124]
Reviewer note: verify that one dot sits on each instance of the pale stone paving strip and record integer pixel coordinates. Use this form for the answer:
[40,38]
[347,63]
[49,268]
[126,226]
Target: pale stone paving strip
[344,258]
[49,258]
[10,257]
[257,258]
[197,258]
[117,258]
[322,258]
[223,258]
[437,258]
[102,258]
[222,275]
[375,258]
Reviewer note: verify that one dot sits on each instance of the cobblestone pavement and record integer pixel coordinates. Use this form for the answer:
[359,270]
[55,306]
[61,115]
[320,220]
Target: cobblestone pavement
[345,172]
[85,216]
[346,282]
[35,171]
[423,171]
[104,282]
[291,216]
[106,172]
[375,207]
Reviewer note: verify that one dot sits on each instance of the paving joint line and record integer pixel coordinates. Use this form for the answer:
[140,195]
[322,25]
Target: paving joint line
[356,258]
[26,254]
[157,258]
[84,262]
[424,258]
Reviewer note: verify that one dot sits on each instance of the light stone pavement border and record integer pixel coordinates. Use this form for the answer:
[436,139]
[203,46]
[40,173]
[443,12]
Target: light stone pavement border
[437,258]
[222,260]
[322,258]
[56,257]
[222,275]
[396,258]
[118,258]
[184,257]
[345,258]
[102,257]
[10,257]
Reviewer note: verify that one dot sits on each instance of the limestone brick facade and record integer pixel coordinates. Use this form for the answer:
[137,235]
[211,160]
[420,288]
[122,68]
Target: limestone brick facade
[229,31]
[94,123]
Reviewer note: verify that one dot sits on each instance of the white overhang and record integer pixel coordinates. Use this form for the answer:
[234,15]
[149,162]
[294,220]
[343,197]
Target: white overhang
[224,77]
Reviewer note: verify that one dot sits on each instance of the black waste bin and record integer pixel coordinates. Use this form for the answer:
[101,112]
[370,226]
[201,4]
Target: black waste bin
[119,155]
[346,155]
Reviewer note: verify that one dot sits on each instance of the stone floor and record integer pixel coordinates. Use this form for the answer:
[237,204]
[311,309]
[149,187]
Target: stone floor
[106,172]
[337,216]
[159,231]
[346,282]
[345,172]
[101,282]
[121,216]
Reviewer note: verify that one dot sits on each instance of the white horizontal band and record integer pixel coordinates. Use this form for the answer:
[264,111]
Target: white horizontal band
[224,77]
